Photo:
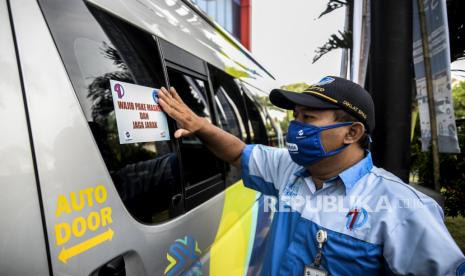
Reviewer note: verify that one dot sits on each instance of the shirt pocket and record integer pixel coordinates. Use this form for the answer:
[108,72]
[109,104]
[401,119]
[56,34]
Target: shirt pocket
[346,255]
[342,253]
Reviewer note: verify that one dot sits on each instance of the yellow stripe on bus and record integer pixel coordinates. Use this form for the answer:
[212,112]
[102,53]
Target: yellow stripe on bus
[230,252]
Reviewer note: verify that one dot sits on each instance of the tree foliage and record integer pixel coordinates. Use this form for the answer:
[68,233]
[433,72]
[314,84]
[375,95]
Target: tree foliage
[333,5]
[458,94]
[296,87]
[343,40]
[340,40]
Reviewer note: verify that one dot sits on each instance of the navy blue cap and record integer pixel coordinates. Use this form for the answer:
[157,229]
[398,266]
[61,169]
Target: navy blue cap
[331,93]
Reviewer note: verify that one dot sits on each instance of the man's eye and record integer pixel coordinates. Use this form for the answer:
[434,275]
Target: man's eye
[308,116]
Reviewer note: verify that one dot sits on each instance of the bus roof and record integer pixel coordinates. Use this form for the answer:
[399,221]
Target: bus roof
[183,24]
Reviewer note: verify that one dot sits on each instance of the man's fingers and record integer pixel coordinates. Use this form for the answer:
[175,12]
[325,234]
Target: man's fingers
[166,107]
[182,133]
[166,94]
[174,113]
[175,94]
[163,89]
[168,99]
[171,100]
[176,109]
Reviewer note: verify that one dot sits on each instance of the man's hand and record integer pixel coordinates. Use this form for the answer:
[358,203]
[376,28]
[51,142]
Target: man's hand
[224,145]
[173,105]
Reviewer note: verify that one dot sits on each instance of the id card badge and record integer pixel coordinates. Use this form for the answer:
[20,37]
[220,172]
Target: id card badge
[311,270]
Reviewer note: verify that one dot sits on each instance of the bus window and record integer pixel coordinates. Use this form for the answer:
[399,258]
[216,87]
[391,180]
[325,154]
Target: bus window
[272,130]
[96,47]
[257,117]
[230,97]
[229,114]
[265,117]
[202,171]
[232,113]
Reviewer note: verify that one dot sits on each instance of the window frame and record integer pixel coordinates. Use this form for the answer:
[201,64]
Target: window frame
[181,61]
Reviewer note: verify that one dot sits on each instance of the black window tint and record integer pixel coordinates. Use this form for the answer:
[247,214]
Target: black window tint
[257,117]
[202,171]
[194,94]
[265,117]
[231,106]
[272,129]
[228,114]
[96,47]
[232,113]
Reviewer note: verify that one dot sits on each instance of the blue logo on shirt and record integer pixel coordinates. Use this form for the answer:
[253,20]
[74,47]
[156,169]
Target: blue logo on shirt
[356,218]
[291,190]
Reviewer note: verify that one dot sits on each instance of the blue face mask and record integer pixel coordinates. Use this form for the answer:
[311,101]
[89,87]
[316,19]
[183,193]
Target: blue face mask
[304,142]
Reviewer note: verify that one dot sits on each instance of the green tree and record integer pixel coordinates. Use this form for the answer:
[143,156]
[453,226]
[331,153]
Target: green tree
[458,94]
[295,87]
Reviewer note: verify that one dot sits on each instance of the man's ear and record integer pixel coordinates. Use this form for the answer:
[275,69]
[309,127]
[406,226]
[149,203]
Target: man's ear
[355,133]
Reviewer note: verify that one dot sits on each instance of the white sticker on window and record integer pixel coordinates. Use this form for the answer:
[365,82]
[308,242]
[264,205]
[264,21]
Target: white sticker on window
[138,115]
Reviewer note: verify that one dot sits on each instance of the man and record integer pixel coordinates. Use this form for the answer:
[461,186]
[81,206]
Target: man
[338,213]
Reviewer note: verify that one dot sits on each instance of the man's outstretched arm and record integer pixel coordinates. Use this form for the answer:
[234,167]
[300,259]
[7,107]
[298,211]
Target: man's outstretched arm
[224,145]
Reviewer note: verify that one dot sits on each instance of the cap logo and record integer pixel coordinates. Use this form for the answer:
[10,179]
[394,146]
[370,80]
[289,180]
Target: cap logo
[301,132]
[325,80]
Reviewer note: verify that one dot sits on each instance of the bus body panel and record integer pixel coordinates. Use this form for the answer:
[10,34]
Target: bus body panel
[22,247]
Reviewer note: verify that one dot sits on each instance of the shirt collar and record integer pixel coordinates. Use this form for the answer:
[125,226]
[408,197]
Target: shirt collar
[302,172]
[353,174]
[350,176]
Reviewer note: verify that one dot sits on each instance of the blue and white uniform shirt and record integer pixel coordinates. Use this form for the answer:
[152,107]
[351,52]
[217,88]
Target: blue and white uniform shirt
[376,224]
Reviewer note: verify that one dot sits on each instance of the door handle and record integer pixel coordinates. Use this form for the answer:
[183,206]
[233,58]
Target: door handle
[115,267]
[176,207]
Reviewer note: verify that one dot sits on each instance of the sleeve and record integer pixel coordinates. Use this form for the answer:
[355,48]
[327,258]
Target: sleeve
[260,168]
[421,245]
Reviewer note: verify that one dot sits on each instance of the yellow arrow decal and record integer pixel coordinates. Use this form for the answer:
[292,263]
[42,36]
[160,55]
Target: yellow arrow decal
[66,254]
[172,263]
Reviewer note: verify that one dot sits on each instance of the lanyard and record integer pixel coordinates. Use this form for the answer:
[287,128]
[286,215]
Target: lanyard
[321,238]
[314,269]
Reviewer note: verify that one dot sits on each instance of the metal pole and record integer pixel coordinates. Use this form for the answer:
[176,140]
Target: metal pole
[390,83]
[365,45]
[345,52]
[429,90]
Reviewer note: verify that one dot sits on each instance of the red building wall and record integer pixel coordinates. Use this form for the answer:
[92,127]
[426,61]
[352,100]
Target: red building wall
[245,23]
